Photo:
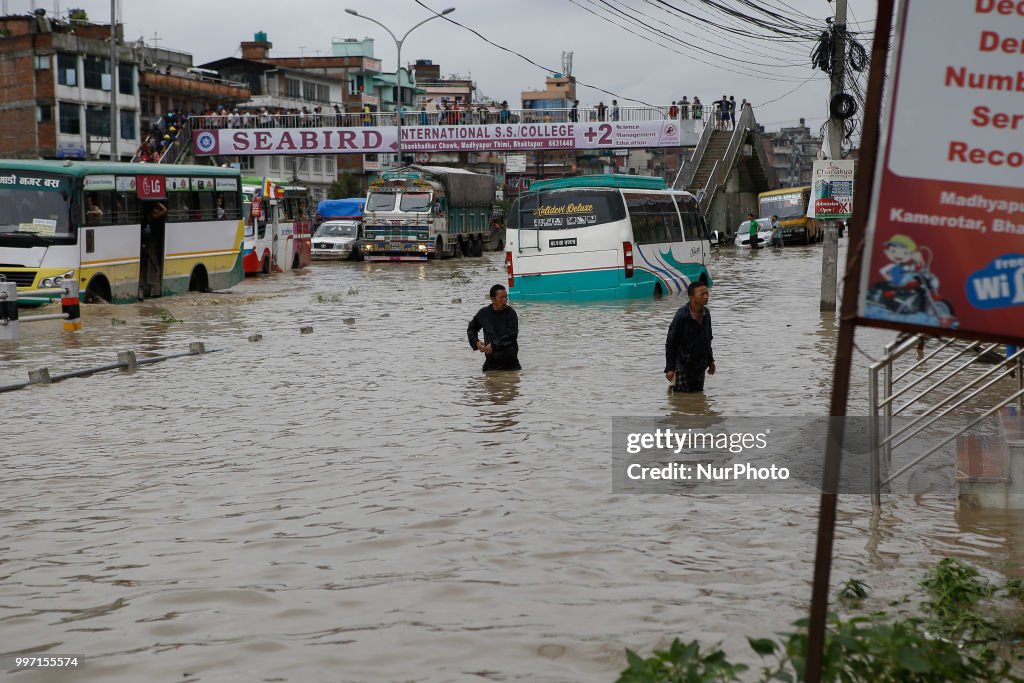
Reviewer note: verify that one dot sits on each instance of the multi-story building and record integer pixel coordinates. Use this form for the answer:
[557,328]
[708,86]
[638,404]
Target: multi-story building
[794,150]
[56,81]
[55,90]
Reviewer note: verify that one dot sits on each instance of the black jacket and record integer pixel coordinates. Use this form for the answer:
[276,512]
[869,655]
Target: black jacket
[501,329]
[689,342]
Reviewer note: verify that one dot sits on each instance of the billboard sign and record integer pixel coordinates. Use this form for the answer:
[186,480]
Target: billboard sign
[945,234]
[832,190]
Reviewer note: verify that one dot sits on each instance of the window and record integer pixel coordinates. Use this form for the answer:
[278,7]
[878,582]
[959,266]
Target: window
[275,163]
[654,218]
[44,113]
[308,90]
[246,163]
[126,79]
[329,165]
[42,61]
[690,212]
[317,165]
[67,69]
[566,209]
[127,124]
[415,201]
[380,201]
[70,118]
[292,88]
[96,73]
[97,121]
[323,93]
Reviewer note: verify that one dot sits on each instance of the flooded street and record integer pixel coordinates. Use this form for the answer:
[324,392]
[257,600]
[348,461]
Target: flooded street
[361,503]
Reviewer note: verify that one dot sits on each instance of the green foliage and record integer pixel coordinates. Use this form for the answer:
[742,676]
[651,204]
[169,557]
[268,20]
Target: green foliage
[78,16]
[167,317]
[347,185]
[352,291]
[853,590]
[327,298]
[116,321]
[958,639]
[680,664]
[954,590]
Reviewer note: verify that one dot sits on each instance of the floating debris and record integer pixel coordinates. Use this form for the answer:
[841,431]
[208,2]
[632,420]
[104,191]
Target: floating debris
[116,321]
[349,321]
[456,301]
[255,337]
[307,329]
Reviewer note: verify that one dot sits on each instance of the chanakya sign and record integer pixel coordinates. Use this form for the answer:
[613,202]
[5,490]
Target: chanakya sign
[832,190]
[469,138]
[945,235]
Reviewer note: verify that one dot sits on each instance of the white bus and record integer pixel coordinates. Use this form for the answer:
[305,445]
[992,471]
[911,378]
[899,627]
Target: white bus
[124,231]
[604,237]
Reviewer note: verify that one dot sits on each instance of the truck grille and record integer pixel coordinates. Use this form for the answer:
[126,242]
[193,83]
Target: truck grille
[22,278]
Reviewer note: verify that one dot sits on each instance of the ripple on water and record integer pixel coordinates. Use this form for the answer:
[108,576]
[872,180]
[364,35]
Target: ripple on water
[361,500]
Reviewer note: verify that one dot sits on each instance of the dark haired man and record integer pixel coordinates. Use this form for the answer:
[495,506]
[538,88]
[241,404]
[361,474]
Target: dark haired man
[688,346]
[501,332]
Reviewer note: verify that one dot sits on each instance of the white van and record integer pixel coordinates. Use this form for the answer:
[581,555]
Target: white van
[764,233]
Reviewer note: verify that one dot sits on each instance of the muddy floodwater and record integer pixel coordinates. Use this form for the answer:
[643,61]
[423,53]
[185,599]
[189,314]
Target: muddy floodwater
[358,502]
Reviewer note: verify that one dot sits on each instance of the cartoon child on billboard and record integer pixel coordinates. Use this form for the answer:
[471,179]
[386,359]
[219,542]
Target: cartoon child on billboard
[909,291]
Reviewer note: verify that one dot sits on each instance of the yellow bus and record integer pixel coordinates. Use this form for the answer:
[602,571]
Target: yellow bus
[790,205]
[125,232]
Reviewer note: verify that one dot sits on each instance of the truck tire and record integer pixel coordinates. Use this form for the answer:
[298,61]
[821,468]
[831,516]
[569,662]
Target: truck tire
[478,247]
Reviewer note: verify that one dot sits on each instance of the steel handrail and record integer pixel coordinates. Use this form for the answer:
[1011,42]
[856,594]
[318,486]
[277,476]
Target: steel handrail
[1018,394]
[892,397]
[945,412]
[944,379]
[933,354]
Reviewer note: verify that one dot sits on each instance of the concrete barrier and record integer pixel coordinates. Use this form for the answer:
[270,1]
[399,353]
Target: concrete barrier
[10,321]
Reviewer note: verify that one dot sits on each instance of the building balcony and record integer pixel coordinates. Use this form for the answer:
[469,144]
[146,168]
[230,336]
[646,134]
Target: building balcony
[227,91]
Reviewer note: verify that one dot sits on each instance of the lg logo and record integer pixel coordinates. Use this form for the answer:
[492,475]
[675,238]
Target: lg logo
[206,141]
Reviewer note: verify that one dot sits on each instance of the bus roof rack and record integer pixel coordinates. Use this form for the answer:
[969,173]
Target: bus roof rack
[636,182]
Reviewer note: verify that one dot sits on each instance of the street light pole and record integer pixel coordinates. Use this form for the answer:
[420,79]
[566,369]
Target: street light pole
[398,67]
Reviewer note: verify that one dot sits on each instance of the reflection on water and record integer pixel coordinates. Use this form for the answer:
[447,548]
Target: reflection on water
[362,503]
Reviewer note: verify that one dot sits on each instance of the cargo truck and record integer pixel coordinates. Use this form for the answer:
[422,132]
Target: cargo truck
[427,212]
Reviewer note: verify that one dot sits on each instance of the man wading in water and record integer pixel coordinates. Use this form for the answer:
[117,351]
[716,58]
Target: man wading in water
[688,346]
[501,332]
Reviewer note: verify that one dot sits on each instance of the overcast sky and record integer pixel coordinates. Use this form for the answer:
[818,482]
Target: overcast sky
[714,61]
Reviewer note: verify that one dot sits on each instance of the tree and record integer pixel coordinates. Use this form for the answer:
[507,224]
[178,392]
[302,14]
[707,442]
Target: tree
[347,185]
[78,16]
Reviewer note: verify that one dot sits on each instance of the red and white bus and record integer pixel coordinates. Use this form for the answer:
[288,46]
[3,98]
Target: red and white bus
[278,226]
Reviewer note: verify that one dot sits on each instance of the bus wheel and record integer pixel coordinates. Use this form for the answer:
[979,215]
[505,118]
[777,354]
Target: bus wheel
[200,280]
[98,291]
[657,290]
[266,263]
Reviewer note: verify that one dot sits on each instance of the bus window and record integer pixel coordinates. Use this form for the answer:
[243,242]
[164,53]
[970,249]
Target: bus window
[178,207]
[566,209]
[126,205]
[654,218]
[207,210]
[232,211]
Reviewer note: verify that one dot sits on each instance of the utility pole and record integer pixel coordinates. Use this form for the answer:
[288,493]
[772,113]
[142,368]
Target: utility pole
[830,248]
[113,81]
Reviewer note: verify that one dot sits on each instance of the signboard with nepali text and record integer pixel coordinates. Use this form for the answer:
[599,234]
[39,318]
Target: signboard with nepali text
[511,137]
[945,234]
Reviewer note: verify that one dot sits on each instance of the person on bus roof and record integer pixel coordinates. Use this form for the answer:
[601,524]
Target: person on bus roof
[501,332]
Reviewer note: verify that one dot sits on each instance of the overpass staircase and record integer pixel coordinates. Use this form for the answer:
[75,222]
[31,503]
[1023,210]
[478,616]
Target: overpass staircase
[721,152]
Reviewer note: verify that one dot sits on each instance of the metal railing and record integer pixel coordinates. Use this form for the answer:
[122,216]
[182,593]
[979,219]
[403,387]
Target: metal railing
[689,168]
[721,169]
[11,320]
[882,399]
[472,115]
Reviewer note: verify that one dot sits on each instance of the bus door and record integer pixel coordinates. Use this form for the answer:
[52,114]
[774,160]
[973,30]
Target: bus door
[151,250]
[277,244]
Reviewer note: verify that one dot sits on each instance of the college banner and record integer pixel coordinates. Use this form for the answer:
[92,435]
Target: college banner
[831,190]
[945,236]
[464,138]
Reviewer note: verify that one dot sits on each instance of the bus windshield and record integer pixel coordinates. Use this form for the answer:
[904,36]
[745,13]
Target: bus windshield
[415,201]
[34,205]
[566,209]
[380,201]
[788,205]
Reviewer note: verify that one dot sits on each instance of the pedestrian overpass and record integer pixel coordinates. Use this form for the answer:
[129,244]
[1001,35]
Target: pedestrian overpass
[726,169]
